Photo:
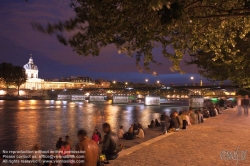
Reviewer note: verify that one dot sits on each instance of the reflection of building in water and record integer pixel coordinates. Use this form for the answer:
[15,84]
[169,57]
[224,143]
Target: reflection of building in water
[35,83]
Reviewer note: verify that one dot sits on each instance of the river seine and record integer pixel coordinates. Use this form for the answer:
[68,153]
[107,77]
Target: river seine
[24,123]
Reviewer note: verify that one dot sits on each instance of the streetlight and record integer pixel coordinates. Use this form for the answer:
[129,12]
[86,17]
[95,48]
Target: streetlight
[114,82]
[192,78]
[158,82]
[146,80]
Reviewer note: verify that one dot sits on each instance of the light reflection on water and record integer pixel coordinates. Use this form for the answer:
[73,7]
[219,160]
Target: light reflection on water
[26,122]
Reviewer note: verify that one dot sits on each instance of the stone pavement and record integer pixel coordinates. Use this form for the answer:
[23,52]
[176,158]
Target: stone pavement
[220,140]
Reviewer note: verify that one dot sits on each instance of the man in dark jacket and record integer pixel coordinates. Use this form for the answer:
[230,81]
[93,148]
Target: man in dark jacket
[245,104]
[110,143]
[221,104]
[164,122]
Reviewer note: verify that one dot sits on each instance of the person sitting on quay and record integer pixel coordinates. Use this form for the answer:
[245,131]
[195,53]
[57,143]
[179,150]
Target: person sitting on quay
[211,111]
[135,127]
[59,143]
[183,116]
[188,118]
[216,111]
[131,133]
[49,158]
[140,126]
[174,125]
[90,148]
[180,121]
[67,139]
[193,117]
[98,133]
[200,116]
[36,154]
[1,160]
[206,113]
[110,143]
[152,124]
[120,132]
[95,137]
[65,152]
[140,132]
[157,123]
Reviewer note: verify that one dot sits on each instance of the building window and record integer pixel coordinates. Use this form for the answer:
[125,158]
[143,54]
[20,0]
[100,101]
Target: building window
[32,75]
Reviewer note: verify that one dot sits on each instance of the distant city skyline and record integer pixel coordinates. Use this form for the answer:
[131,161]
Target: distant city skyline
[18,40]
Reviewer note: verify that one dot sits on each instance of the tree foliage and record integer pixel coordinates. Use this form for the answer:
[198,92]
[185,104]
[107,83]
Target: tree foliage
[234,68]
[138,26]
[12,75]
[19,77]
[6,74]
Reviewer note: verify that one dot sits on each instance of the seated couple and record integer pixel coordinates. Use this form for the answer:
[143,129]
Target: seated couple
[131,134]
[154,124]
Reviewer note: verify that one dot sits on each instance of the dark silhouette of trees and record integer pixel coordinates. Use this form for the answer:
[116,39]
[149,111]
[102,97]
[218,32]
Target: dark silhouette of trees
[12,75]
[137,27]
[19,77]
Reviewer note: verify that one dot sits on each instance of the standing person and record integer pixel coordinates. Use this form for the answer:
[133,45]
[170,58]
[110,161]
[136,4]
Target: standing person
[239,101]
[110,143]
[221,104]
[246,105]
[90,148]
[163,122]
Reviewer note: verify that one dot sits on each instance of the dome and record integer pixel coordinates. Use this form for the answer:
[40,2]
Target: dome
[30,65]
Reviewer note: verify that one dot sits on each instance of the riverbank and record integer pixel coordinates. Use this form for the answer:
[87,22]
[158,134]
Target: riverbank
[209,143]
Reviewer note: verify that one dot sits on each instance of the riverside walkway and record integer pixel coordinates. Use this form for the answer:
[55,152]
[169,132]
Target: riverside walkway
[223,140]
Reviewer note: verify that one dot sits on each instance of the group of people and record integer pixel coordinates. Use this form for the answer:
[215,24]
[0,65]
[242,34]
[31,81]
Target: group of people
[109,148]
[90,153]
[135,131]
[177,121]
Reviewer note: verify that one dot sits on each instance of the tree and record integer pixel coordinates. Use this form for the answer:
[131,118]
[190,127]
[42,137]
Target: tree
[12,75]
[6,74]
[234,68]
[19,76]
[137,27]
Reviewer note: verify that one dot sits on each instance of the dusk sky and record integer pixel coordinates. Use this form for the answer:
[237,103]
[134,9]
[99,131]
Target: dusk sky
[18,40]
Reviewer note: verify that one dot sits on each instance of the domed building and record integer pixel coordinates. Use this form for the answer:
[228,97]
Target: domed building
[33,82]
[31,69]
